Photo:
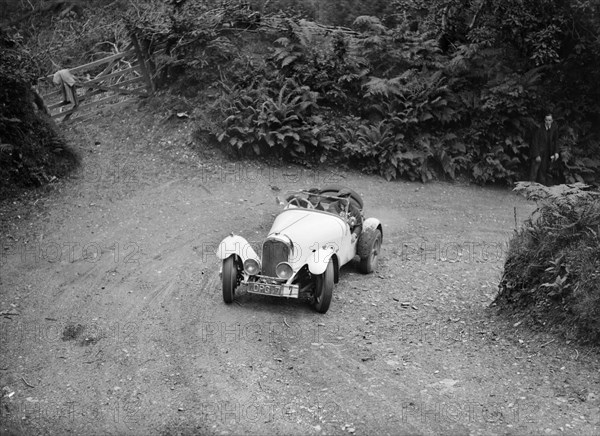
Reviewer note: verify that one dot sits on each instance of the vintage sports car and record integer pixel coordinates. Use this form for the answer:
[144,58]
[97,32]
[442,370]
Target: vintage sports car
[318,231]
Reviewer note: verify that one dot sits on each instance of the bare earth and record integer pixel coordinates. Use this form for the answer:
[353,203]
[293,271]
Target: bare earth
[113,321]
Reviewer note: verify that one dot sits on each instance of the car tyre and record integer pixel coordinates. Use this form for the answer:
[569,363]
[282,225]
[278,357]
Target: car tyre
[324,289]
[229,276]
[369,246]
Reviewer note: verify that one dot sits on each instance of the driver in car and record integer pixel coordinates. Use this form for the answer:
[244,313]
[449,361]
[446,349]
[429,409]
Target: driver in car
[315,198]
[348,210]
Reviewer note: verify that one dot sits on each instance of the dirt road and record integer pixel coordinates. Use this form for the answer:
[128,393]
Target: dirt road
[113,321]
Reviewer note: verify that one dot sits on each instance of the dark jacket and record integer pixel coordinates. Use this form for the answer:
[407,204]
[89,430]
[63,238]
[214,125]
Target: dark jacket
[544,142]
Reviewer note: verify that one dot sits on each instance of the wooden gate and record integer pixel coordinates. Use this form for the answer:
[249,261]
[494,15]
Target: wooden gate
[117,80]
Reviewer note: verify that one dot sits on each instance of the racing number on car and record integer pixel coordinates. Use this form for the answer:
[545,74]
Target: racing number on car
[330,245]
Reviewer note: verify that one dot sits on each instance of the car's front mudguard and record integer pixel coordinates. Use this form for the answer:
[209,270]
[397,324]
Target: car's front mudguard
[237,245]
[317,263]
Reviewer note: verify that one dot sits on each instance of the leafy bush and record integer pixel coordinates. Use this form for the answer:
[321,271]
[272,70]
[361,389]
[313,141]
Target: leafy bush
[31,150]
[552,270]
[281,121]
[63,34]
[580,163]
[379,148]
[321,62]
[451,91]
[440,88]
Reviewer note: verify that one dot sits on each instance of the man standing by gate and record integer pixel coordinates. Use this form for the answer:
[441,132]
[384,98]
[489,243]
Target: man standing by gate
[66,80]
[544,150]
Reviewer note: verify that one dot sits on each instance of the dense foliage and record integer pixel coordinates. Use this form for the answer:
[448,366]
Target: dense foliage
[330,12]
[31,150]
[417,89]
[65,33]
[552,268]
[453,89]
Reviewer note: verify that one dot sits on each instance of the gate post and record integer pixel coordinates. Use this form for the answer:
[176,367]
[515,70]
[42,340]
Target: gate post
[143,67]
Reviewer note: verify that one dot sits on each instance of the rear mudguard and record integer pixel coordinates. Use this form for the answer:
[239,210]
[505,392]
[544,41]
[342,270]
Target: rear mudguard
[237,245]
[372,224]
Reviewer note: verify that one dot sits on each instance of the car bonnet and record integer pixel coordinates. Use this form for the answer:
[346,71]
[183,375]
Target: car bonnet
[308,229]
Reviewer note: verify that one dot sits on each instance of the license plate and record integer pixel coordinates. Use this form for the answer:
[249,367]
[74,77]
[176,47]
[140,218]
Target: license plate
[290,291]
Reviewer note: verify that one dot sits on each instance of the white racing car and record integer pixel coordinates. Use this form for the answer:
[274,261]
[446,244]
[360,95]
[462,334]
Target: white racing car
[318,232]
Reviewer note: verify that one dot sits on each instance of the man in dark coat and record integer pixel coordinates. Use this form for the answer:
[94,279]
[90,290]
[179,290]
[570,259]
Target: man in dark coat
[347,208]
[544,150]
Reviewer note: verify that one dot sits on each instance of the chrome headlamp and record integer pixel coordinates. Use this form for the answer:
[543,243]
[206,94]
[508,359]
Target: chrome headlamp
[284,270]
[251,267]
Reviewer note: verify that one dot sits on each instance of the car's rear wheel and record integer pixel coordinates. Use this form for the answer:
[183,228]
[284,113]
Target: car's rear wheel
[369,246]
[229,276]
[324,289]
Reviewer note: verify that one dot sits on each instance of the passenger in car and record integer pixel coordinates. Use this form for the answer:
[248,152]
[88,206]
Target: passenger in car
[352,213]
[315,198]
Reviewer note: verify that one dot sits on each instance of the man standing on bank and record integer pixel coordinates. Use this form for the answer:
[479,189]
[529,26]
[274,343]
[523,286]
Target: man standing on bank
[67,83]
[544,149]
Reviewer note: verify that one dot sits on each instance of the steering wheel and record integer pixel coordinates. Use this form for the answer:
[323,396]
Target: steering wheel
[301,202]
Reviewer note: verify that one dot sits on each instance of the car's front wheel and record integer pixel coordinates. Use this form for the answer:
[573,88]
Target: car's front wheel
[229,276]
[324,289]
[369,245]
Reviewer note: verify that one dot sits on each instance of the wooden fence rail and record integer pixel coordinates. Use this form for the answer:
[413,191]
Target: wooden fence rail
[124,76]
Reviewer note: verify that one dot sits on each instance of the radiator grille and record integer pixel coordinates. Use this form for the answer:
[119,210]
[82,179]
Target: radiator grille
[273,253]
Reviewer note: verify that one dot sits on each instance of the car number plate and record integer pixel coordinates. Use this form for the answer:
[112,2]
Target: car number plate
[290,291]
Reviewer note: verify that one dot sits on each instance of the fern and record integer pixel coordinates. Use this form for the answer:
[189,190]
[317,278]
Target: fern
[369,24]
[6,148]
[567,195]
[385,87]
[275,119]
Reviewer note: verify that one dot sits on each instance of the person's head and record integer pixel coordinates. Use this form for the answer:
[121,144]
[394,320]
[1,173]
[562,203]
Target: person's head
[548,120]
[313,196]
[345,194]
